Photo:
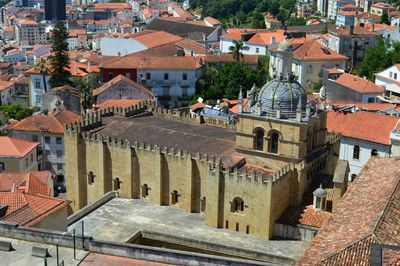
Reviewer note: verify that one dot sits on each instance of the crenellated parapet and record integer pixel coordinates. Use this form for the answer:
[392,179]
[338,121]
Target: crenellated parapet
[178,114]
[247,175]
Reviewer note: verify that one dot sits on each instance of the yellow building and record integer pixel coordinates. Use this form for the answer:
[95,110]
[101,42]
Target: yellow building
[18,155]
[242,179]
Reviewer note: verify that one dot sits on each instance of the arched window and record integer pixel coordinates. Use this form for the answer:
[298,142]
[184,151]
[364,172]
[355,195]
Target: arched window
[174,197]
[203,204]
[274,143]
[117,183]
[356,152]
[90,177]
[259,141]
[374,152]
[237,205]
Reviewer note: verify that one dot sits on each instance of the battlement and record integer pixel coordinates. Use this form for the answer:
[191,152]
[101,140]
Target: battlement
[248,175]
[182,114]
[332,138]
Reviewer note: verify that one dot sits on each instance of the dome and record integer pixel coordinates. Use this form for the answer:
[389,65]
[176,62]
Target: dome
[285,46]
[320,192]
[283,93]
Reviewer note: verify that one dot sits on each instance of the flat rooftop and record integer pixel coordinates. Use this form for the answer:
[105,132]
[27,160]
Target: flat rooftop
[21,255]
[171,133]
[119,219]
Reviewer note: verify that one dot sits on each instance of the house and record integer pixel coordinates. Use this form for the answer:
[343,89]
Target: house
[34,210]
[18,155]
[121,88]
[345,18]
[258,42]
[352,41]
[381,8]
[39,83]
[20,93]
[77,39]
[367,215]
[345,87]
[363,135]
[271,23]
[137,42]
[389,79]
[6,91]
[306,60]
[65,97]
[48,130]
[171,79]
[30,31]
[335,5]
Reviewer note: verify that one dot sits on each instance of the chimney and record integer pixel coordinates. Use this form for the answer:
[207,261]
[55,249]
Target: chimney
[89,67]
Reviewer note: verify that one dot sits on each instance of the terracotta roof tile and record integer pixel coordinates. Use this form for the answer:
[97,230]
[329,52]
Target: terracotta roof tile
[5,85]
[304,215]
[11,147]
[358,84]
[344,31]
[27,209]
[51,123]
[118,79]
[312,50]
[361,125]
[368,213]
[34,182]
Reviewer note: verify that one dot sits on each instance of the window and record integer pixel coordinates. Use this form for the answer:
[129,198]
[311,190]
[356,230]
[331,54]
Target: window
[371,99]
[257,50]
[166,76]
[247,229]
[59,166]
[59,153]
[117,183]
[31,157]
[309,69]
[259,142]
[274,143]
[374,152]
[2,167]
[59,140]
[184,76]
[145,191]
[237,205]
[395,75]
[90,177]
[227,224]
[174,197]
[356,152]
[47,153]
[35,138]
[353,177]
[26,162]
[148,75]
[37,84]
[47,139]
[110,76]
[237,227]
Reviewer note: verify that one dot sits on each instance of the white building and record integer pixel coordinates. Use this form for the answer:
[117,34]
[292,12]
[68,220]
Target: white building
[363,134]
[30,31]
[39,84]
[306,60]
[48,130]
[135,42]
[258,42]
[389,79]
[6,91]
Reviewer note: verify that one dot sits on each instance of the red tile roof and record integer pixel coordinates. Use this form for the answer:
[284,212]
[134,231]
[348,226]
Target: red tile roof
[11,147]
[358,84]
[312,50]
[34,182]
[368,213]
[5,85]
[362,125]
[119,79]
[367,106]
[28,209]
[155,38]
[170,63]
[51,123]
[344,31]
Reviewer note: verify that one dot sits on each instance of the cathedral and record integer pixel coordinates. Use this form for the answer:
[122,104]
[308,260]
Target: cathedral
[241,179]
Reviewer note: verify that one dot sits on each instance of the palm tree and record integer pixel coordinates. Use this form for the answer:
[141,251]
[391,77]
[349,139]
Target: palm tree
[237,48]
[42,67]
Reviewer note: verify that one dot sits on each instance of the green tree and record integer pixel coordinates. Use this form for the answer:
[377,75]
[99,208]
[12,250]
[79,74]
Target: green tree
[237,48]
[16,111]
[42,67]
[59,61]
[86,88]
[225,80]
[385,19]
[377,58]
